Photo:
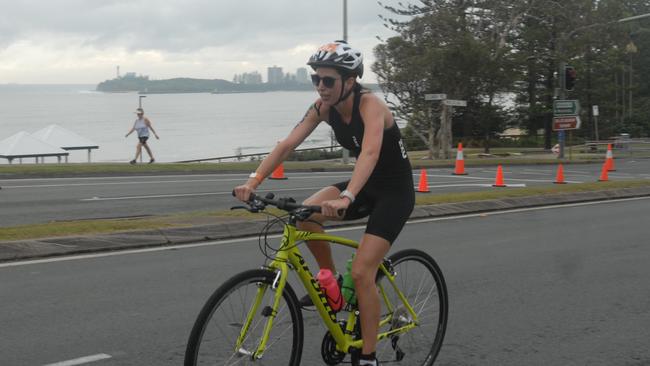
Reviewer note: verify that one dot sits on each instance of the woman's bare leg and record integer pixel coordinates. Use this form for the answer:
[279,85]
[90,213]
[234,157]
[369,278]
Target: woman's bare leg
[146,146]
[320,249]
[138,151]
[370,254]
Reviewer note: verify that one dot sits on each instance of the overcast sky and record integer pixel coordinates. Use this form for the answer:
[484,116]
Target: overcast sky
[82,41]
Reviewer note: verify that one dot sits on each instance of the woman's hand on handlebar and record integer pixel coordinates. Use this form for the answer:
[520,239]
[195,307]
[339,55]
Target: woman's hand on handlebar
[243,192]
[335,208]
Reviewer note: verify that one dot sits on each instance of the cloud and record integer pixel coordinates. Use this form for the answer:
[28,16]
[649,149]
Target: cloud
[49,40]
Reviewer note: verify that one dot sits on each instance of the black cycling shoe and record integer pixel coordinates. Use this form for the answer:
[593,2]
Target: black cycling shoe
[305,301]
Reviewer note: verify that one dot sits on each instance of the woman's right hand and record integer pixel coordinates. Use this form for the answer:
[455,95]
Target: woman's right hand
[243,192]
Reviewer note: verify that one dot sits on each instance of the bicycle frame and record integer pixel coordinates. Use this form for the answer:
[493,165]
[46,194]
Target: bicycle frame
[288,257]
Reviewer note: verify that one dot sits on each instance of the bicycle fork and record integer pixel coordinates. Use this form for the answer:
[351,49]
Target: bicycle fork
[269,312]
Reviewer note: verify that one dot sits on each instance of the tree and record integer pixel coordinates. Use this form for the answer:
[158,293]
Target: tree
[461,48]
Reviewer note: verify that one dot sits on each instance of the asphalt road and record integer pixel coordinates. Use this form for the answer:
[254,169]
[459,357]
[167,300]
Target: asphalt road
[548,286]
[29,201]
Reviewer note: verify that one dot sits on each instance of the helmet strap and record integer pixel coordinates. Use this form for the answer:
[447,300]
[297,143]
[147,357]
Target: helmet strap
[342,96]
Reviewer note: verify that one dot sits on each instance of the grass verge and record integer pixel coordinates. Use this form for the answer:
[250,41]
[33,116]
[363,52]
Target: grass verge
[418,160]
[103,226]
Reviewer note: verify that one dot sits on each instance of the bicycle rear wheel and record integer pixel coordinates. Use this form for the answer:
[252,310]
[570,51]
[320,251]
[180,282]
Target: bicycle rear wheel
[420,280]
[219,324]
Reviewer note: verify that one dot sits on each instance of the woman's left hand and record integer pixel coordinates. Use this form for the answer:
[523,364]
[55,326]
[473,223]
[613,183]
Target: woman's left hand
[333,207]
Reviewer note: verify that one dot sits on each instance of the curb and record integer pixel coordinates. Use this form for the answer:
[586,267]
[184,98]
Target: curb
[52,247]
[414,164]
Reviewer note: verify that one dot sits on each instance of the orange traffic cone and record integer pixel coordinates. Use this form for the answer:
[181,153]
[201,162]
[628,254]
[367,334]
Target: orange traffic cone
[609,159]
[460,161]
[559,179]
[423,186]
[278,173]
[499,181]
[603,174]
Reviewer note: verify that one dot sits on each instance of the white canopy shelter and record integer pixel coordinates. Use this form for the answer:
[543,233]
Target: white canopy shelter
[56,135]
[23,145]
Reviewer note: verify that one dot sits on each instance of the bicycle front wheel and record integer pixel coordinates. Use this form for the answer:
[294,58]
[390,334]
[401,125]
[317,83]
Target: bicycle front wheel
[419,278]
[240,310]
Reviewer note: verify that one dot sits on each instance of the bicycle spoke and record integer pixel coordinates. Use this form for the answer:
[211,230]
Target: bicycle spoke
[417,282]
[234,311]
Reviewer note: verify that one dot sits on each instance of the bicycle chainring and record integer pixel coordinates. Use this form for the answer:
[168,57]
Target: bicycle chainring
[328,350]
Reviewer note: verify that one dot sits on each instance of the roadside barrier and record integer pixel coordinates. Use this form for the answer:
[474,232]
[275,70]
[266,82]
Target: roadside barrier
[499,180]
[559,178]
[604,177]
[609,159]
[278,173]
[460,161]
[423,186]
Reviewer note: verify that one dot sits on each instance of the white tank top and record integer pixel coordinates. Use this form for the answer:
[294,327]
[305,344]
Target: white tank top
[141,128]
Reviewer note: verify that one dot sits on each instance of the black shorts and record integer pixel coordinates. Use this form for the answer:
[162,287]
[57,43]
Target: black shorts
[387,203]
[143,139]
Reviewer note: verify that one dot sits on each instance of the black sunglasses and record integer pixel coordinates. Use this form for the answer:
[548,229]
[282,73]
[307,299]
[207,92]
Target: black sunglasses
[328,81]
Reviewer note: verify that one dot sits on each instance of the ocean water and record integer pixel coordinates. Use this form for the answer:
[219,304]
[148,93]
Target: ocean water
[190,126]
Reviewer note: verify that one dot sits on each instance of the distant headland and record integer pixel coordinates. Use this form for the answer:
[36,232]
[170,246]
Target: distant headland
[143,85]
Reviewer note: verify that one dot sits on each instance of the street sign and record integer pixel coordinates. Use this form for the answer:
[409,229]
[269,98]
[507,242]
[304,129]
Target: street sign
[595,110]
[435,96]
[566,123]
[566,107]
[455,103]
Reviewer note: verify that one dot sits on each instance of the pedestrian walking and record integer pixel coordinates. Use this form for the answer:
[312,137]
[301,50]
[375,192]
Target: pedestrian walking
[142,125]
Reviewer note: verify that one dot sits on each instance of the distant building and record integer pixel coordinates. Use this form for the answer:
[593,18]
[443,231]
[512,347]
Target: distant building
[129,75]
[248,78]
[275,75]
[302,76]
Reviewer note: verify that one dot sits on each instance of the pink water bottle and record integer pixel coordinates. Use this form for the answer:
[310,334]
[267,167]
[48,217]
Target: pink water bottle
[330,288]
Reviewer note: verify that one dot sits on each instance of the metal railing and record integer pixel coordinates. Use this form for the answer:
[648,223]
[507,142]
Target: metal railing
[638,147]
[257,156]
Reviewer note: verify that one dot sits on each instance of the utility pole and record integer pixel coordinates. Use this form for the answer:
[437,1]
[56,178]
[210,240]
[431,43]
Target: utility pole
[345,20]
[346,152]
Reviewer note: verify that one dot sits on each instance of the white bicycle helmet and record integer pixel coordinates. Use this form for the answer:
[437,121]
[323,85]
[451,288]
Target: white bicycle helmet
[339,55]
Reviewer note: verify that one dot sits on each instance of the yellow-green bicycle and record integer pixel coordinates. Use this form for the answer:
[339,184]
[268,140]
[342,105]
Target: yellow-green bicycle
[254,318]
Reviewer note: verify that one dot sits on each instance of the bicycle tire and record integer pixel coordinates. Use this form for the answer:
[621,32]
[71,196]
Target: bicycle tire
[420,346]
[197,352]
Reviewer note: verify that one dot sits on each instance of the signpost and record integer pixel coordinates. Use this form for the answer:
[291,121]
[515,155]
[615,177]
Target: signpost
[566,123]
[566,108]
[435,96]
[566,116]
[447,111]
[595,113]
[455,103]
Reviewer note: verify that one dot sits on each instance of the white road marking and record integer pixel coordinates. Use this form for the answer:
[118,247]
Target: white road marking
[131,177]
[82,360]
[332,230]
[161,182]
[191,194]
[506,179]
[472,185]
[177,195]
[529,172]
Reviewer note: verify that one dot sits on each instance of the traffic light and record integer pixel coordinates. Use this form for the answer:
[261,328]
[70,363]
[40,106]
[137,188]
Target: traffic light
[570,76]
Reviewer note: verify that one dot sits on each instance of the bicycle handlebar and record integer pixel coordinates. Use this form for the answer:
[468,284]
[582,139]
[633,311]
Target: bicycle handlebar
[286,204]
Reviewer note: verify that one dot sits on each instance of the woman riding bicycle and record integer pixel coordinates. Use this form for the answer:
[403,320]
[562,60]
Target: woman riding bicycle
[381,186]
